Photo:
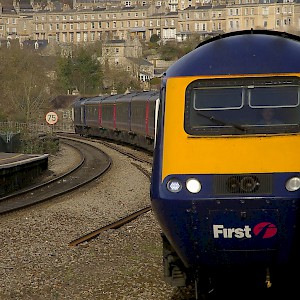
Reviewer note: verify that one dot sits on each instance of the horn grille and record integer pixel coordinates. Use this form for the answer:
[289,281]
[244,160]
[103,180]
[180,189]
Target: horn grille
[243,184]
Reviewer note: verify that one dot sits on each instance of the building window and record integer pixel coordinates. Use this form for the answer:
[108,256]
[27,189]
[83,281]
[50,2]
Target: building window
[85,36]
[265,11]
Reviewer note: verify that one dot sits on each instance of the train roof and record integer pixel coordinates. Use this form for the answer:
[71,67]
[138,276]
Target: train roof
[93,100]
[79,101]
[133,96]
[146,95]
[241,52]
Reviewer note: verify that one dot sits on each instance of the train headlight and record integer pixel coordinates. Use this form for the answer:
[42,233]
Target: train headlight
[293,184]
[174,185]
[193,185]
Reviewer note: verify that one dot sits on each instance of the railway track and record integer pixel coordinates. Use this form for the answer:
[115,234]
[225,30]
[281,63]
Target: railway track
[93,163]
[127,219]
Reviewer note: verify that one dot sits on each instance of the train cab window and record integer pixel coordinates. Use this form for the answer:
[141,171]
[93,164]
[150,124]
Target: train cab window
[243,106]
[216,98]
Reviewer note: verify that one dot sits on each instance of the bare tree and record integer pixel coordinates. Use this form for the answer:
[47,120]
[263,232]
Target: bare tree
[119,79]
[24,82]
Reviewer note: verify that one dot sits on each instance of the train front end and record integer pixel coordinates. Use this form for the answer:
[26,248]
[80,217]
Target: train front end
[225,184]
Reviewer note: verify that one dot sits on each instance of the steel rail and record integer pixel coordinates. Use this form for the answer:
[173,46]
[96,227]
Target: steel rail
[94,164]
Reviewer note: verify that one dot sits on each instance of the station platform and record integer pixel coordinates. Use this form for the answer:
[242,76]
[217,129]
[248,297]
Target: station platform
[18,170]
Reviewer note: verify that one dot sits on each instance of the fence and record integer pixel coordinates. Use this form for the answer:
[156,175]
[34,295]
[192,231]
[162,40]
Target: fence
[10,133]
[34,128]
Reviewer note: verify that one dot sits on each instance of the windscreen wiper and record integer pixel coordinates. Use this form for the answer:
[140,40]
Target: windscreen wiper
[220,122]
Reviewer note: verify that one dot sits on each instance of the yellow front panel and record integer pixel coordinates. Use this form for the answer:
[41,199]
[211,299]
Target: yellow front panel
[185,154]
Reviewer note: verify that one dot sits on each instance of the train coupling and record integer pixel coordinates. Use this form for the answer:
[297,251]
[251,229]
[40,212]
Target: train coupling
[268,278]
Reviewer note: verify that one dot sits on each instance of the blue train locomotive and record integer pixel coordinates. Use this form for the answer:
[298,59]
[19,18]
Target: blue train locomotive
[225,184]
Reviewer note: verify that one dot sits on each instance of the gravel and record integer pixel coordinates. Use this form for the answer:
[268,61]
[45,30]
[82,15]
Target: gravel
[36,261]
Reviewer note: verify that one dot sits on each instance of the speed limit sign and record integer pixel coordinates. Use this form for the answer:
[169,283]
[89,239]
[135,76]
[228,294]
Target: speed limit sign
[51,117]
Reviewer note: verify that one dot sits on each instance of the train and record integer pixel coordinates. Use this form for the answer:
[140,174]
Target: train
[129,118]
[225,183]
